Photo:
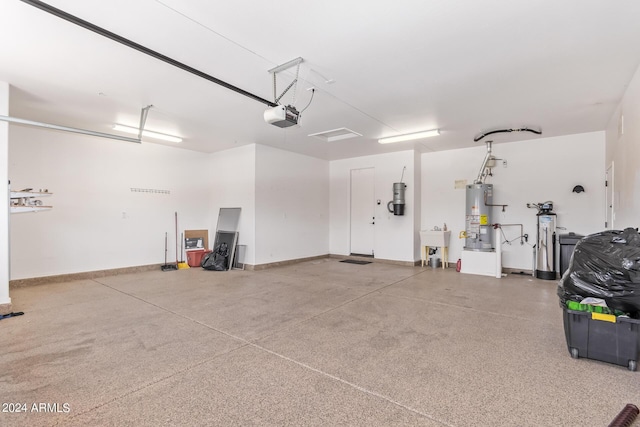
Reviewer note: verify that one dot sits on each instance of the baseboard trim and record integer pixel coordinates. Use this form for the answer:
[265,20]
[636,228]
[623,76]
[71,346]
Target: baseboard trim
[88,275]
[21,283]
[259,267]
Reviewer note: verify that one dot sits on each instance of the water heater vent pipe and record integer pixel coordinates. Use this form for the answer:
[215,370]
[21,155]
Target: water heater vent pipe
[481,174]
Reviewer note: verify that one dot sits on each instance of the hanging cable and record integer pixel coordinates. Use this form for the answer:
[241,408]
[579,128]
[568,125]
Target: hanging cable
[479,137]
[313,91]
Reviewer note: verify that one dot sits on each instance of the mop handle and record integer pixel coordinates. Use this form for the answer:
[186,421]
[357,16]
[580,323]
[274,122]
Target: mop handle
[165,247]
[176,238]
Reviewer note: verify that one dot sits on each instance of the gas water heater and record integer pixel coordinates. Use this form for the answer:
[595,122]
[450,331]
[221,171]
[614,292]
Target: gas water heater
[478,221]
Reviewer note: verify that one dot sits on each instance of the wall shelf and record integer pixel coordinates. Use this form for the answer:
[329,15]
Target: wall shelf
[25,201]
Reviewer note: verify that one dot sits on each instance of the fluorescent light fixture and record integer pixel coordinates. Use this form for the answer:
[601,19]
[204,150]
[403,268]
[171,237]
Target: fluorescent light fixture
[410,136]
[150,134]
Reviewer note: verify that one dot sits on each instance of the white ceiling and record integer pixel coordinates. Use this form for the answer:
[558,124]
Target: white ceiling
[399,66]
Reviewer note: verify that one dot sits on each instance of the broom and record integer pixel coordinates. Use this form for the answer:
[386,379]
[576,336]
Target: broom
[166,267]
[181,265]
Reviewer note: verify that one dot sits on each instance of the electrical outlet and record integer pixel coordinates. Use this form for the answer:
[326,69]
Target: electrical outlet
[504,163]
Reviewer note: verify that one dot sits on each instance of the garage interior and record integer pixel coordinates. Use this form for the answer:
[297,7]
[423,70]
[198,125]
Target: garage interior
[290,334]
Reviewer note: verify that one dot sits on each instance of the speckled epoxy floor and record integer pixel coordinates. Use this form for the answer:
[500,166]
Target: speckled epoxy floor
[315,343]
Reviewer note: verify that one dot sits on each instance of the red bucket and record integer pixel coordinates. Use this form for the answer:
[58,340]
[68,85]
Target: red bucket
[194,258]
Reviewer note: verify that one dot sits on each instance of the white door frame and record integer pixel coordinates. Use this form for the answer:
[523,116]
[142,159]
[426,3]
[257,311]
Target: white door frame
[609,201]
[370,223]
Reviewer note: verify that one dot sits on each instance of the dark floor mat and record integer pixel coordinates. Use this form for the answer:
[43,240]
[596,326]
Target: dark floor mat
[361,255]
[354,261]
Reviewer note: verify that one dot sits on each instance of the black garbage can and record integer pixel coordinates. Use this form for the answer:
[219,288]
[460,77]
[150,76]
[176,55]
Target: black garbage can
[567,244]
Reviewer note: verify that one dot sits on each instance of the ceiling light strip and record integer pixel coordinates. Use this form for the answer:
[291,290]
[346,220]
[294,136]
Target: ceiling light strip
[147,133]
[67,129]
[410,136]
[115,37]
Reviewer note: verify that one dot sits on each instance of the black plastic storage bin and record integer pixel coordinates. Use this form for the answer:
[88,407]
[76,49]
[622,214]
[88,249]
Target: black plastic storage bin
[615,341]
[567,245]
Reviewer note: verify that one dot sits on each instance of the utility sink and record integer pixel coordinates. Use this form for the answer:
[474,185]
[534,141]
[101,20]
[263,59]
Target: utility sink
[437,238]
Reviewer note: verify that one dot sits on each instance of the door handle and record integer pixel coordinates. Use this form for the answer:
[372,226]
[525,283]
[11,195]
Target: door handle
[372,222]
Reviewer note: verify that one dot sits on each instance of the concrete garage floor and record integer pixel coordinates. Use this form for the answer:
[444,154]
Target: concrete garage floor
[315,343]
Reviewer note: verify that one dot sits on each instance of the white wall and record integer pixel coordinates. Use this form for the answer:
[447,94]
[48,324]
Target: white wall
[97,222]
[623,149]
[292,205]
[4,196]
[231,183]
[395,236]
[537,170]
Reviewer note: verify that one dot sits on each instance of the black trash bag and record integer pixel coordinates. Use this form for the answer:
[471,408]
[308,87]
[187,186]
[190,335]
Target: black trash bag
[605,265]
[218,260]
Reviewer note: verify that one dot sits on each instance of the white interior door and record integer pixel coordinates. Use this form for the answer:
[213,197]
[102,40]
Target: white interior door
[362,211]
[609,198]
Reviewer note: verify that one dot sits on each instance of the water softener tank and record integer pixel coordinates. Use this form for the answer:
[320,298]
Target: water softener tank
[478,229]
[546,245]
